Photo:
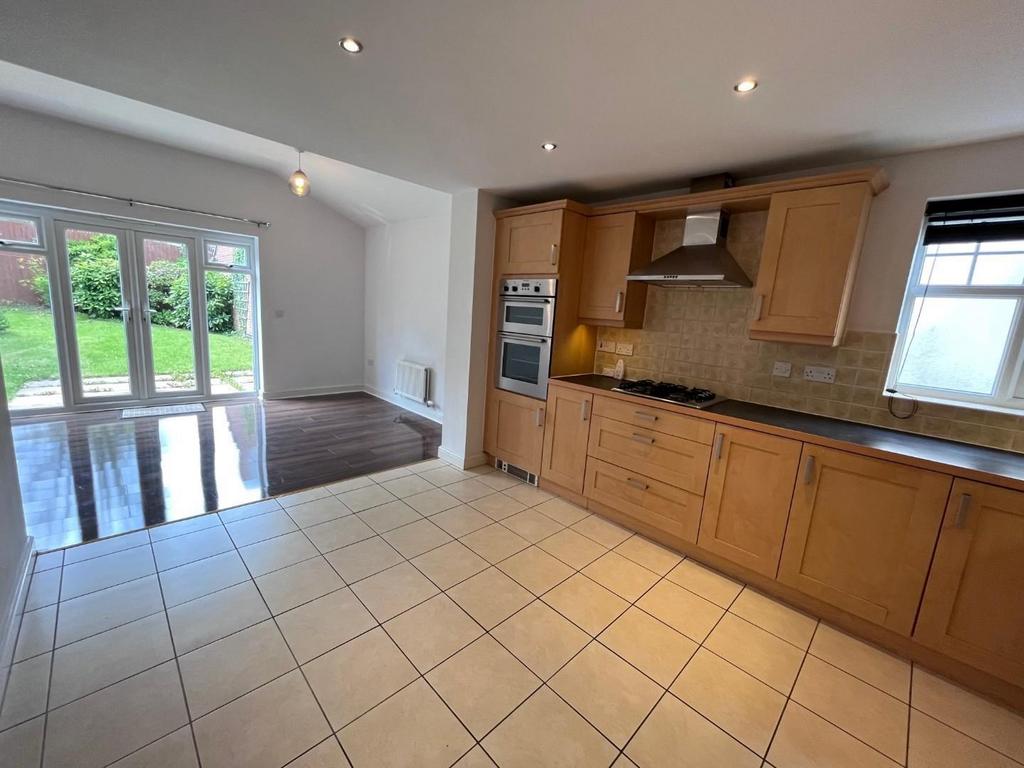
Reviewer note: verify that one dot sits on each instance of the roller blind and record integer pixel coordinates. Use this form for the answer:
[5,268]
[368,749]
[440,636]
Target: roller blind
[975,219]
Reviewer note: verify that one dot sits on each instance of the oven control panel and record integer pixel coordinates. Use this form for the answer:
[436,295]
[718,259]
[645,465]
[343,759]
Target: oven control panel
[528,287]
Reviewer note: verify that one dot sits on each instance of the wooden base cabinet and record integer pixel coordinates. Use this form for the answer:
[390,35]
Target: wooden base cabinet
[861,534]
[973,605]
[566,430]
[746,504]
[514,429]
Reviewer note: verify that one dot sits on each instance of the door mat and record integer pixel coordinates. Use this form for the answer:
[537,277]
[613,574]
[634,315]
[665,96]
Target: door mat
[162,410]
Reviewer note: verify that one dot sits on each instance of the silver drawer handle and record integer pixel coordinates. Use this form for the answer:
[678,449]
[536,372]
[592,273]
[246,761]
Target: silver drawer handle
[554,254]
[619,296]
[584,410]
[758,305]
[961,513]
[638,484]
[645,415]
[719,439]
[540,417]
[642,438]
[809,470]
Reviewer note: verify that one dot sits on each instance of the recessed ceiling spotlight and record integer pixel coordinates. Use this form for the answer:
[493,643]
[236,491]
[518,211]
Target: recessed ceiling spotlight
[549,146]
[350,45]
[746,85]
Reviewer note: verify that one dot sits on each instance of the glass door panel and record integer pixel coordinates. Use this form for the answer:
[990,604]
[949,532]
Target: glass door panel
[230,320]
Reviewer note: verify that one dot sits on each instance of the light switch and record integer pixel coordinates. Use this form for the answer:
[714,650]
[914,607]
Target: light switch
[782,368]
[606,345]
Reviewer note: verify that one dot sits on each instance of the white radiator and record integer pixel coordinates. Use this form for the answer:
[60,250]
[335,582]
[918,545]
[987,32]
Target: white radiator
[412,380]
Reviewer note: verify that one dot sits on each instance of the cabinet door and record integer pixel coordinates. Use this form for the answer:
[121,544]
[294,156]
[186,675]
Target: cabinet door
[514,430]
[973,605]
[565,437]
[746,506]
[614,245]
[861,534]
[811,243]
[528,244]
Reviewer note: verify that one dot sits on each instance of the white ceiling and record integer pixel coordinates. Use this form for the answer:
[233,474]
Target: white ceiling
[458,93]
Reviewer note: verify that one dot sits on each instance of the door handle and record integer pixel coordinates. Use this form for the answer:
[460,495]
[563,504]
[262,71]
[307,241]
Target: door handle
[645,415]
[960,520]
[758,305]
[584,410]
[642,438]
[540,417]
[719,439]
[619,296]
[554,254]
[809,470]
[638,484]
[126,313]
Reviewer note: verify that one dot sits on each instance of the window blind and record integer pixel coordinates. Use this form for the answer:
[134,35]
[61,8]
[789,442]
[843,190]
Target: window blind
[975,219]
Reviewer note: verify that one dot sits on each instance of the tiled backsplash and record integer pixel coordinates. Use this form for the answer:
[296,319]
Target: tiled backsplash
[699,338]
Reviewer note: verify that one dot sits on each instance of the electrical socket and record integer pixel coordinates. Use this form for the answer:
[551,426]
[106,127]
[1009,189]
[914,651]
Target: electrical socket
[820,373]
[606,345]
[623,348]
[782,368]
[608,370]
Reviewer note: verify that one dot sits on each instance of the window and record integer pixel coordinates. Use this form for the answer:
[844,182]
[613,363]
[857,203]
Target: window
[961,329]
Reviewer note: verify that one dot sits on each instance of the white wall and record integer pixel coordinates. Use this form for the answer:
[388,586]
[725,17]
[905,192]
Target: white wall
[406,298]
[311,258]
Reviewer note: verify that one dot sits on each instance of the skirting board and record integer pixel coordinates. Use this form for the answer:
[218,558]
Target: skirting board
[287,394]
[12,607]
[425,411]
[464,462]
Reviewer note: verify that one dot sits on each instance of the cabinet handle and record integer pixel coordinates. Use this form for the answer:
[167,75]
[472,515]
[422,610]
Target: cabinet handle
[758,304]
[643,438]
[619,296]
[719,439]
[554,254]
[961,513]
[809,470]
[540,417]
[584,410]
[645,415]
[638,484]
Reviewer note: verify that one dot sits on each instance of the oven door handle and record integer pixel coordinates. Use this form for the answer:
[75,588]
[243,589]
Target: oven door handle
[522,337]
[524,299]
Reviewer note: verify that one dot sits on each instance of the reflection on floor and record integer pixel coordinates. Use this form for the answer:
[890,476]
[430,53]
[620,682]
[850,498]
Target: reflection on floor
[431,617]
[87,476]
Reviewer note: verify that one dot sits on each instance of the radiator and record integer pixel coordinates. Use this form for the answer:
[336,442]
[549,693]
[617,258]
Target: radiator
[412,380]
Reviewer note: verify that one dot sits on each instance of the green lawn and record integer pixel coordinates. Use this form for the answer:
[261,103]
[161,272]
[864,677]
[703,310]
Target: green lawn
[28,349]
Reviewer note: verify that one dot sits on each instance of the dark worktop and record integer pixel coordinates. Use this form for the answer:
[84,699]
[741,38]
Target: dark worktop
[933,449]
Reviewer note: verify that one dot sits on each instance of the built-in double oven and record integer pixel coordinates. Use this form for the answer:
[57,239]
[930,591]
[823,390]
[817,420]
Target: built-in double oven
[526,317]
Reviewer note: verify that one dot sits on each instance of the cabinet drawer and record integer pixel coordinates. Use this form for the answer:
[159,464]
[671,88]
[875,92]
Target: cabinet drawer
[663,506]
[662,456]
[656,419]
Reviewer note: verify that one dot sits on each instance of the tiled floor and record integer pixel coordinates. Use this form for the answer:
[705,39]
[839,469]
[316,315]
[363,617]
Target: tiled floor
[429,617]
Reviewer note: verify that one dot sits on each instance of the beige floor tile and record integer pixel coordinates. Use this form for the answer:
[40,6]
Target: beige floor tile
[181,527]
[760,653]
[105,546]
[390,515]
[263,729]
[433,631]
[604,532]
[527,494]
[607,691]
[416,538]
[495,542]
[475,758]
[298,584]
[339,533]
[324,623]
[430,736]
[651,646]
[861,710]
[870,664]
[805,740]
[468,490]
[781,620]
[231,667]
[460,520]
[23,744]
[106,571]
[36,633]
[101,660]
[318,511]
[681,609]
[212,617]
[741,705]
[431,502]
[171,553]
[358,675]
[446,566]
[362,559]
[248,510]
[541,638]
[390,474]
[100,611]
[445,475]
[47,560]
[326,754]
[274,554]
[482,683]
[536,570]
[935,745]
[176,750]
[25,696]
[115,721]
[408,485]
[351,484]
[420,467]
[989,723]
[499,481]
[651,556]
[43,590]
[254,529]
[497,506]
[390,592]
[490,597]
[532,525]
[301,497]
[572,548]
[675,736]
[546,731]
[366,497]
[705,582]
[623,577]
[187,582]
[561,511]
[586,604]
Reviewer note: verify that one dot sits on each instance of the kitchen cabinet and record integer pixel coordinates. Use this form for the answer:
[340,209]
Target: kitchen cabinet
[659,419]
[566,431]
[746,504]
[861,534]
[811,246]
[973,606]
[514,429]
[615,244]
[529,244]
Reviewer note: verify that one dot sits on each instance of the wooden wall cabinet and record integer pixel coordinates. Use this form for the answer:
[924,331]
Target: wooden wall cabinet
[811,246]
[615,244]
[566,431]
[861,534]
[746,504]
[973,605]
[529,244]
[514,429]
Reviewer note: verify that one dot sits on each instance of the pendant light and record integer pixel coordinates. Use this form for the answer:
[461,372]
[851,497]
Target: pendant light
[299,181]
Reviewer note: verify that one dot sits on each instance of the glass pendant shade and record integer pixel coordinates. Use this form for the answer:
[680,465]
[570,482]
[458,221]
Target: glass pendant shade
[299,183]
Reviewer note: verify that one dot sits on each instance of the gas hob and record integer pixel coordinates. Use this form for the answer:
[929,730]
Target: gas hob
[670,393]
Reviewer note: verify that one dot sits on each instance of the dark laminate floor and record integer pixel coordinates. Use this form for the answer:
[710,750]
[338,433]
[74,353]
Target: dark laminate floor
[86,476]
